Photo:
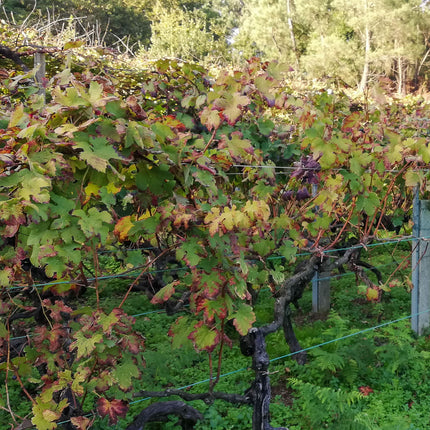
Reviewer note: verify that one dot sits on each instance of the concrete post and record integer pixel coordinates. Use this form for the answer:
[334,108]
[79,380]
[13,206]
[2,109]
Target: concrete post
[421,266]
[320,284]
[321,292]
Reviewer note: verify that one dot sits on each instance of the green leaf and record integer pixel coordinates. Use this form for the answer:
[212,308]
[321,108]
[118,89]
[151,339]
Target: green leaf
[139,135]
[124,372]
[369,203]
[204,338]
[189,251]
[243,318]
[96,151]
[162,132]
[180,331]
[288,250]
[116,109]
[94,223]
[85,345]
[265,126]
[157,179]
[263,247]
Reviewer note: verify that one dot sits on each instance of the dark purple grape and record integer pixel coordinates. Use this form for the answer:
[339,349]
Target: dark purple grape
[306,170]
[302,194]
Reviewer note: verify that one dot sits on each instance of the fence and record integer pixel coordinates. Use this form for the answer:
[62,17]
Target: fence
[420,272]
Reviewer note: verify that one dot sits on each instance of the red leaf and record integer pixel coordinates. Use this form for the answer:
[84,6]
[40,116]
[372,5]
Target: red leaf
[365,390]
[114,409]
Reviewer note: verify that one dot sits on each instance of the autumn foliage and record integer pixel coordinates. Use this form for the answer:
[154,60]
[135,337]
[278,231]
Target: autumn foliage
[232,177]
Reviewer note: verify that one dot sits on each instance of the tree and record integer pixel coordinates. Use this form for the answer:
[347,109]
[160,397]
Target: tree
[177,32]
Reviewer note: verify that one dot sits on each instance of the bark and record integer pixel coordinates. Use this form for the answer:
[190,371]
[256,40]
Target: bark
[160,411]
[365,74]
[292,35]
[291,339]
[208,398]
[260,389]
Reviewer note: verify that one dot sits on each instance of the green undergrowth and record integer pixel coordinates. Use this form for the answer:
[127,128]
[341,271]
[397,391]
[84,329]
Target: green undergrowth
[374,380]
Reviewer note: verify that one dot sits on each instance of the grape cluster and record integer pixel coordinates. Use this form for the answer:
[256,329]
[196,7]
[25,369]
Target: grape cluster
[307,169]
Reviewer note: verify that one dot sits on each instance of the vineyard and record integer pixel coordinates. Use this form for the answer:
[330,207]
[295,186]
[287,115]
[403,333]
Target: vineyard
[162,223]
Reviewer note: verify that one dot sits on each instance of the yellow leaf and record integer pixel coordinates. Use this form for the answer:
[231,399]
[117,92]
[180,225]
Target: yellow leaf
[257,209]
[412,178]
[372,294]
[228,218]
[49,415]
[92,189]
[112,189]
[146,214]
[122,227]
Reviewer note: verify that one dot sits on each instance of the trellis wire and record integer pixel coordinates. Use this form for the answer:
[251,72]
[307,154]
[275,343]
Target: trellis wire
[160,311]
[298,352]
[280,257]
[281,357]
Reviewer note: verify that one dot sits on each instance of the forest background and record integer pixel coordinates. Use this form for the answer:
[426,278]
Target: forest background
[351,43]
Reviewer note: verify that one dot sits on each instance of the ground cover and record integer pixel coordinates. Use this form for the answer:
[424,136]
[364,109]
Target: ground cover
[375,380]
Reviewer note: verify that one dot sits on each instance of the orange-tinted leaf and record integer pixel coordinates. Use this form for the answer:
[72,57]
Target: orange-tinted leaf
[81,423]
[122,227]
[165,293]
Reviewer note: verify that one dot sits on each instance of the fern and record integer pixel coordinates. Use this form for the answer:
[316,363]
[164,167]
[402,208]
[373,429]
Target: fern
[350,372]
[324,405]
[328,360]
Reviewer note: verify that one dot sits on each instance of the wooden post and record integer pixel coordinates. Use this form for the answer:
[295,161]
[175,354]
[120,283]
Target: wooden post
[421,266]
[320,284]
[40,62]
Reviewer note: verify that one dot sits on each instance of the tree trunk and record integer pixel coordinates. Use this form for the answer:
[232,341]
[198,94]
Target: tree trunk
[365,74]
[400,74]
[292,35]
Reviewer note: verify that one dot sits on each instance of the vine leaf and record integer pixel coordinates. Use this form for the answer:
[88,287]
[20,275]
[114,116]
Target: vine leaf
[124,372]
[122,227]
[81,423]
[114,409]
[165,293]
[210,118]
[44,416]
[204,338]
[85,345]
[232,105]
[372,294]
[243,318]
[96,151]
